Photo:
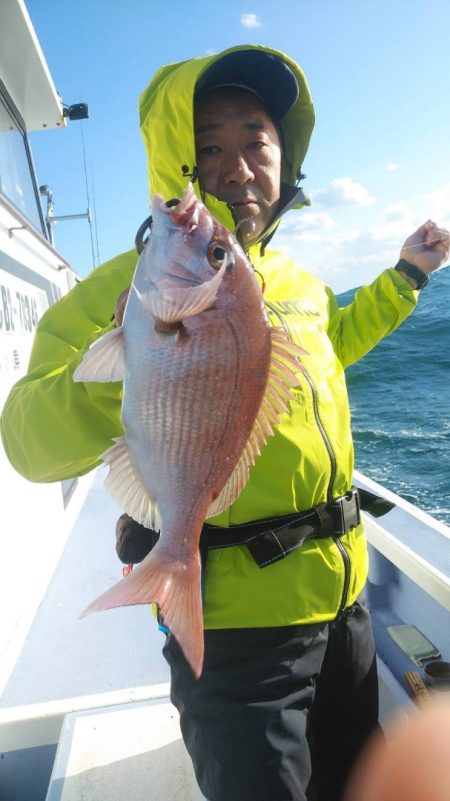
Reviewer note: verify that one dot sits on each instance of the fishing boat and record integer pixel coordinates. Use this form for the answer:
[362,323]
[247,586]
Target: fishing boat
[84,704]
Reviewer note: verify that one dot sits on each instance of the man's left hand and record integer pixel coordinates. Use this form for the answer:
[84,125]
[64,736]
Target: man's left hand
[428,248]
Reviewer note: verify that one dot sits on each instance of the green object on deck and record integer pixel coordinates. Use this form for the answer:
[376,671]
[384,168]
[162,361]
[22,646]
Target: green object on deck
[413,643]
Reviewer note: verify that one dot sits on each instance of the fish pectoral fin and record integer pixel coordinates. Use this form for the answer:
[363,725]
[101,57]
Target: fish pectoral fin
[126,487]
[104,359]
[233,487]
[176,588]
[170,304]
[284,364]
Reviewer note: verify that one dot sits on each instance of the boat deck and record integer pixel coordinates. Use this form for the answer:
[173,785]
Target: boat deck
[85,670]
[65,656]
[123,751]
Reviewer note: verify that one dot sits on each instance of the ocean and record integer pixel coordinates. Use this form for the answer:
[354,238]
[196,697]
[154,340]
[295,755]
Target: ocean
[400,403]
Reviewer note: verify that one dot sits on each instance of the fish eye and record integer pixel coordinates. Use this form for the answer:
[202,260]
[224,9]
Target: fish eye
[219,254]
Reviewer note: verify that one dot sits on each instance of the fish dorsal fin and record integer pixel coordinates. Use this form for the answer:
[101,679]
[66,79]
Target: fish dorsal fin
[284,364]
[104,359]
[172,304]
[126,487]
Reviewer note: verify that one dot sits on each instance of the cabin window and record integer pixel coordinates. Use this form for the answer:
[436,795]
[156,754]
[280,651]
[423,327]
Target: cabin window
[17,182]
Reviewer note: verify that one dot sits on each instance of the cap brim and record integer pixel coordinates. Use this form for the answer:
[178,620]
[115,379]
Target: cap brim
[265,75]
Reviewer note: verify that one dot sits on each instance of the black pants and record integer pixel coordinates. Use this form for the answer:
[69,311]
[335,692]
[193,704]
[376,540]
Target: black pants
[278,714]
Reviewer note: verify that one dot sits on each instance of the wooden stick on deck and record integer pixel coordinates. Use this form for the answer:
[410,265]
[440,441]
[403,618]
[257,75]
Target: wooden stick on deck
[418,689]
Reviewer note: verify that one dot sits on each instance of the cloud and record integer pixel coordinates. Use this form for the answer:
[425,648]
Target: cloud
[397,222]
[392,165]
[436,205]
[308,226]
[353,246]
[317,221]
[396,212]
[346,253]
[343,260]
[343,192]
[250,21]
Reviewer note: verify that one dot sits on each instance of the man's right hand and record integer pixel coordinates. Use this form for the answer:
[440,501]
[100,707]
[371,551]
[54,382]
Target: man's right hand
[121,302]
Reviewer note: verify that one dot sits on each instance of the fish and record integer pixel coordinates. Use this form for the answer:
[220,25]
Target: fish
[205,381]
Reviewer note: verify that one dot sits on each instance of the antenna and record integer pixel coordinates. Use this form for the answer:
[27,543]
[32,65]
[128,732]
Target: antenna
[78,111]
[87,195]
[51,219]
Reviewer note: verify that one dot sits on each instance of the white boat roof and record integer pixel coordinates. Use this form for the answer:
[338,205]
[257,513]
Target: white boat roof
[24,70]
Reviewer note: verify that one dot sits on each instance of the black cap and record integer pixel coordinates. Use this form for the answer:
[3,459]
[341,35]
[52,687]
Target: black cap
[267,76]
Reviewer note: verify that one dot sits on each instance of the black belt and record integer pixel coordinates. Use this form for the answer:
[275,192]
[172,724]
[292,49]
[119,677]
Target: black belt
[273,538]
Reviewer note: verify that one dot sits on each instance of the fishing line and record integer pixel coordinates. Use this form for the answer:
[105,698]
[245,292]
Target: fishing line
[423,244]
[87,193]
[95,217]
[245,220]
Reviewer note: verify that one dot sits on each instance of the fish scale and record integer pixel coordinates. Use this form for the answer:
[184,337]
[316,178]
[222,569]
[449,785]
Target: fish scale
[179,415]
[206,379]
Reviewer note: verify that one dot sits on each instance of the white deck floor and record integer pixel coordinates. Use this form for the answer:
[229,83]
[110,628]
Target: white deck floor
[64,656]
[96,761]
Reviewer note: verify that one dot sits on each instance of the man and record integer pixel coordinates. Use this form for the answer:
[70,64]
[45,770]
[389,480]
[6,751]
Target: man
[288,692]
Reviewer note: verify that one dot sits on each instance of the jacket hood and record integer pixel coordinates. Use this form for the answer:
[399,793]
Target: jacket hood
[166,111]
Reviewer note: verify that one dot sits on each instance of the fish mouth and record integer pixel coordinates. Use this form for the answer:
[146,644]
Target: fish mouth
[184,212]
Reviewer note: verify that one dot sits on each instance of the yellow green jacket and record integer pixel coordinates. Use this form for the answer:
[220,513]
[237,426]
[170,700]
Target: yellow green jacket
[53,428]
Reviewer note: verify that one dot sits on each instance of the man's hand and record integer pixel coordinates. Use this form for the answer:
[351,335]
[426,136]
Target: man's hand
[121,302]
[411,762]
[427,248]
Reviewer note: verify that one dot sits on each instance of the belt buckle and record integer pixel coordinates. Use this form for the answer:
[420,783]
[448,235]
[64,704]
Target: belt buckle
[346,512]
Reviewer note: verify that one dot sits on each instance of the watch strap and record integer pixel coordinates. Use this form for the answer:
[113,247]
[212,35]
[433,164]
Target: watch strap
[412,271]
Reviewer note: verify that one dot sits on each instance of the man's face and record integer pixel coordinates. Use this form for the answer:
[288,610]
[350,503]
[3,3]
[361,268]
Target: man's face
[239,157]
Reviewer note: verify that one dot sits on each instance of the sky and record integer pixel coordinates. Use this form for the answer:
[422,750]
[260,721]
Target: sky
[379,160]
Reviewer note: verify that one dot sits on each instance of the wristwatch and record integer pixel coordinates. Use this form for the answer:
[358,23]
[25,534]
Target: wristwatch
[409,269]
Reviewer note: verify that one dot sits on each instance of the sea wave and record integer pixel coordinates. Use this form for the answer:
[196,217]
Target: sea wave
[400,405]
[401,434]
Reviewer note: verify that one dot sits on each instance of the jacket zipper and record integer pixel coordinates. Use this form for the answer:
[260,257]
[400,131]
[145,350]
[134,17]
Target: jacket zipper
[332,458]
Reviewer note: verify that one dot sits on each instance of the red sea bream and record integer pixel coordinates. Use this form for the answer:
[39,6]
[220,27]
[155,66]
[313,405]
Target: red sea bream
[205,380]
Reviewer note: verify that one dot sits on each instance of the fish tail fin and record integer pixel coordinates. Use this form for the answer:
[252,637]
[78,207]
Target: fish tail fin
[176,588]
